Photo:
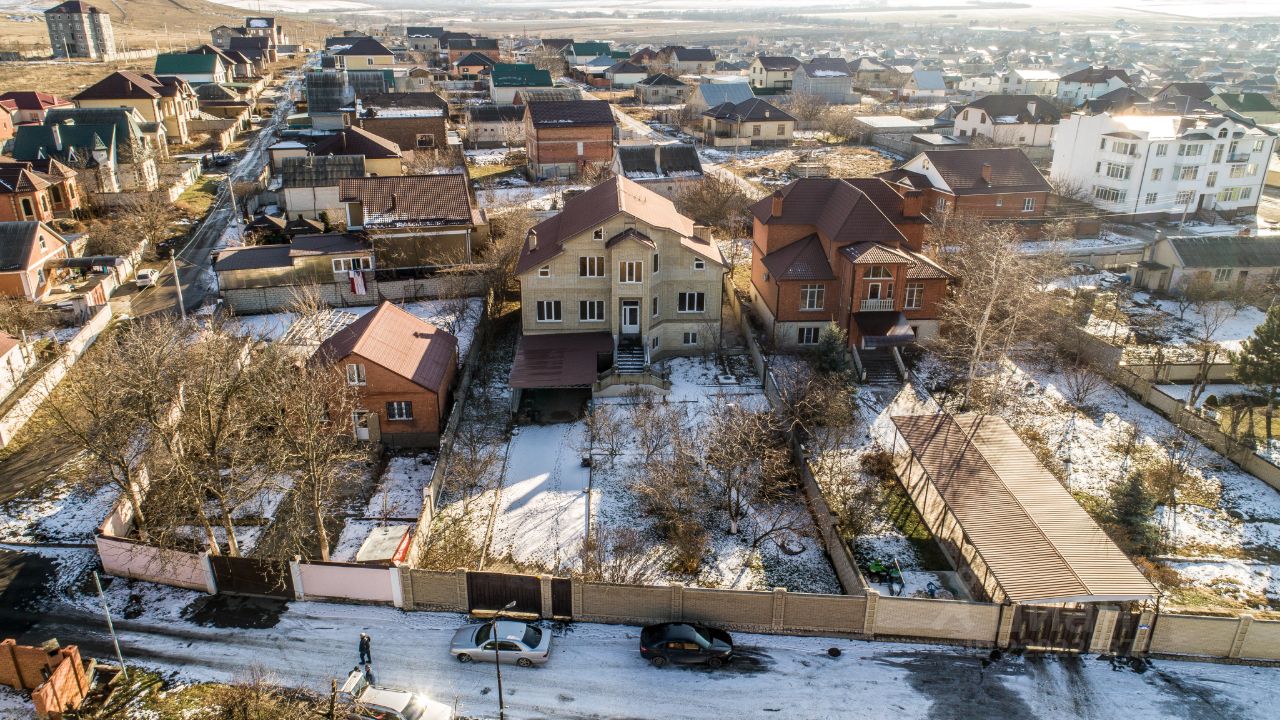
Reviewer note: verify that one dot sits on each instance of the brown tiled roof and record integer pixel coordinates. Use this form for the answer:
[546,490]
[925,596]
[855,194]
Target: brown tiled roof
[570,113]
[592,208]
[34,99]
[840,212]
[396,340]
[926,269]
[357,141]
[7,343]
[886,198]
[411,199]
[630,234]
[123,84]
[875,254]
[801,260]
[1011,171]
[558,359]
[19,177]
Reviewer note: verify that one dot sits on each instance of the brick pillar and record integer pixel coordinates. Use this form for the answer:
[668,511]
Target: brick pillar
[1104,627]
[464,602]
[295,572]
[1241,631]
[779,607]
[406,588]
[577,599]
[869,617]
[1004,634]
[545,582]
[677,602]
[1142,637]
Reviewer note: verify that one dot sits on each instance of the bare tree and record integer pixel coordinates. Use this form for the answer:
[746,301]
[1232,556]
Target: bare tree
[655,425]
[670,490]
[512,133]
[718,202]
[744,456]
[1212,312]
[19,316]
[603,435]
[619,555]
[807,107]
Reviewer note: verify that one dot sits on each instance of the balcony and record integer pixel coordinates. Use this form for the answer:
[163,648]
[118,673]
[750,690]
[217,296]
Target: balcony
[1238,157]
[876,305]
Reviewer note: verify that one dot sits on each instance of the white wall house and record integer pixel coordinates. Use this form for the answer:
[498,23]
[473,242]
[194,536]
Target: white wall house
[1089,83]
[1029,82]
[1019,120]
[1163,166]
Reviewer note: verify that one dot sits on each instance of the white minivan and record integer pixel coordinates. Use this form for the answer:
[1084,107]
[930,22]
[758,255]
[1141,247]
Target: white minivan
[146,277]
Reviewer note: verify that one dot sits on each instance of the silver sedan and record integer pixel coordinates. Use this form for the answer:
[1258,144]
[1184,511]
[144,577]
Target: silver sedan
[515,642]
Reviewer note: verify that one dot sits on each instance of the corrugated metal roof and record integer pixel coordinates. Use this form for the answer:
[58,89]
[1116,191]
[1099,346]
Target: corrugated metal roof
[1039,544]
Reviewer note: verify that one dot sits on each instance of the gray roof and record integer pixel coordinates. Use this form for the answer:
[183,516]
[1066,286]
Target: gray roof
[15,243]
[323,170]
[658,161]
[718,93]
[1227,252]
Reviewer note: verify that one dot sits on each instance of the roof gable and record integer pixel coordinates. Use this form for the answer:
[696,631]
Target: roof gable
[394,339]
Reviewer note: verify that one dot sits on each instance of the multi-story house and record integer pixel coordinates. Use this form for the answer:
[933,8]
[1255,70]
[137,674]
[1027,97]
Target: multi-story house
[772,73]
[1089,83]
[110,148]
[167,100]
[562,138]
[848,252]
[686,60]
[266,27]
[31,105]
[828,78]
[1029,81]
[416,221]
[28,251]
[1020,120]
[748,123]
[460,47]
[29,193]
[78,29]
[995,183]
[1163,166]
[196,68]
[382,157]
[618,267]
[363,53]
[660,89]
[870,73]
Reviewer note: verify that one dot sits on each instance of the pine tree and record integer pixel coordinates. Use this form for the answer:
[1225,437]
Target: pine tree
[831,354]
[1258,362]
[1132,507]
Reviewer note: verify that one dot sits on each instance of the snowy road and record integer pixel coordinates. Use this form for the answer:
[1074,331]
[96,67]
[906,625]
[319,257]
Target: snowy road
[596,672]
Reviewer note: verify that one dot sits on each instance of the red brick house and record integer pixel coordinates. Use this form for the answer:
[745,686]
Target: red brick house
[404,369]
[564,137]
[845,251]
[988,182]
[29,255]
[28,192]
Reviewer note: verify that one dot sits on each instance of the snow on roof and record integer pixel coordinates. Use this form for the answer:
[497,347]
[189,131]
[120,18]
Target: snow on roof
[1153,126]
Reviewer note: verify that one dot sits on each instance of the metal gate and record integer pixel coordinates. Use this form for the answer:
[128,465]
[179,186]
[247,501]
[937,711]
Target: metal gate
[561,598]
[251,576]
[492,591]
[1126,630]
[1053,628]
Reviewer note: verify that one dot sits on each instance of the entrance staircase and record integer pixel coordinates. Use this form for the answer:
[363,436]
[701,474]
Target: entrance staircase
[629,358]
[880,367]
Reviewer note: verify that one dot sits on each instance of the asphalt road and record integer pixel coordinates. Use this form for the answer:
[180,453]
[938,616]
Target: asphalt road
[193,259]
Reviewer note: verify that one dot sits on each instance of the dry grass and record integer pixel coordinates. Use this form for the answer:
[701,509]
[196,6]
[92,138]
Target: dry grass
[63,79]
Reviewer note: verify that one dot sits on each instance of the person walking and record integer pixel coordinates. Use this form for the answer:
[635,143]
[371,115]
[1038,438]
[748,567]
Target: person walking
[365,657]
[368,674]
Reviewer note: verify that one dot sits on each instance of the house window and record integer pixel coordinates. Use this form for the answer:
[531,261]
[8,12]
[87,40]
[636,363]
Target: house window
[691,338]
[426,140]
[1189,173]
[1028,204]
[965,116]
[699,264]
[1222,275]
[1190,150]
[1184,197]
[877,272]
[691,302]
[782,129]
[1239,171]
[1118,171]
[999,201]
[1124,148]
[1157,173]
[655,262]
[355,374]
[1162,149]
[590,266]
[914,297]
[27,209]
[1222,132]
[56,193]
[653,342]
[544,271]
[1258,145]
[808,336]
[941,204]
[755,131]
[548,311]
[654,304]
[400,410]
[630,271]
[811,297]
[1211,179]
[352,263]
[1151,198]
[1110,195]
[591,310]
[44,204]
[598,234]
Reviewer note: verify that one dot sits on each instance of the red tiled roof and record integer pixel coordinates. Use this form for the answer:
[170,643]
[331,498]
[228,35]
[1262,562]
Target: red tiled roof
[840,212]
[396,340]
[7,343]
[801,260]
[34,99]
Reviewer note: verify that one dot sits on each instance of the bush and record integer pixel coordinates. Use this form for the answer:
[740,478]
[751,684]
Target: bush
[879,464]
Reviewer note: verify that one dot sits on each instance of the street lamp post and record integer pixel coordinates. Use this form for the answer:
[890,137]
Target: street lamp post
[497,663]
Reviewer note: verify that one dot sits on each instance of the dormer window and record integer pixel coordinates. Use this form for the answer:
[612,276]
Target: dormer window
[544,271]
[598,234]
[699,263]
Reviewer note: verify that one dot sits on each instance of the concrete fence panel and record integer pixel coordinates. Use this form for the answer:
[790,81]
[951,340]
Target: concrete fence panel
[345,581]
[642,604]
[437,590]
[936,619]
[733,608]
[137,561]
[824,613]
[1194,635]
[1262,641]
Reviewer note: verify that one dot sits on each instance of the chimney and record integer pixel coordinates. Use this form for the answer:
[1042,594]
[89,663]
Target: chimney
[776,209]
[533,240]
[986,173]
[913,203]
[1031,109]
[657,159]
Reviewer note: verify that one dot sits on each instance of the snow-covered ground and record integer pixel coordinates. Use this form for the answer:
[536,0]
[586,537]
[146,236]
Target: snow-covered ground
[62,512]
[460,317]
[396,501]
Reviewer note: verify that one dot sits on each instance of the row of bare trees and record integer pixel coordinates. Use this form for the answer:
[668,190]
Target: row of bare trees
[194,423]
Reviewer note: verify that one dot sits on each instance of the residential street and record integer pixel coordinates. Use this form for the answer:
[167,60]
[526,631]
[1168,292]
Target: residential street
[596,672]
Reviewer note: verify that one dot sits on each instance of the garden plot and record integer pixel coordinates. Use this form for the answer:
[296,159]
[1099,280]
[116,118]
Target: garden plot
[397,501]
[1225,523]
[771,166]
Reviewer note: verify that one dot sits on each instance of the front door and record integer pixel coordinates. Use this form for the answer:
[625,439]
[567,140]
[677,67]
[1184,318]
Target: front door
[360,419]
[630,317]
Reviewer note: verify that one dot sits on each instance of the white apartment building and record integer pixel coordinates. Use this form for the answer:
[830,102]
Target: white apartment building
[1163,166]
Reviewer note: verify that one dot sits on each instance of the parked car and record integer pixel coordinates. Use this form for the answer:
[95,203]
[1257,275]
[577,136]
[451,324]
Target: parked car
[146,277]
[520,643]
[685,644]
[255,119]
[379,703]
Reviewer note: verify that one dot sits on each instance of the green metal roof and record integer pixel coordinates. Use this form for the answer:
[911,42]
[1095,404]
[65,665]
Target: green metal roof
[520,75]
[185,64]
[589,48]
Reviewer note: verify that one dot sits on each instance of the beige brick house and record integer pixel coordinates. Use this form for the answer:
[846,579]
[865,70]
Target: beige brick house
[620,279]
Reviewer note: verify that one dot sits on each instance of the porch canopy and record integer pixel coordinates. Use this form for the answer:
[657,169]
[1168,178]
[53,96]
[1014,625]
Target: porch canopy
[883,329]
[559,360]
[1037,543]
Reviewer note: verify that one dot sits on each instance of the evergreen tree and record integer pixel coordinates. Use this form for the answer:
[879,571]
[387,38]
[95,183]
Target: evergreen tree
[831,354]
[1132,507]
[1258,362]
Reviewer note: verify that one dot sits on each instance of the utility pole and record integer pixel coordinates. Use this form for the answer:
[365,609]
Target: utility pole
[110,627]
[177,284]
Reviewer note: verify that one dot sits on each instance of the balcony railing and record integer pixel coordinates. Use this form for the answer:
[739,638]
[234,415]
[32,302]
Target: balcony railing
[876,305]
[1238,157]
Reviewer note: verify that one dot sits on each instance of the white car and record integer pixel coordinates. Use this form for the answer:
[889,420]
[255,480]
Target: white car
[255,119]
[146,278]
[378,703]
